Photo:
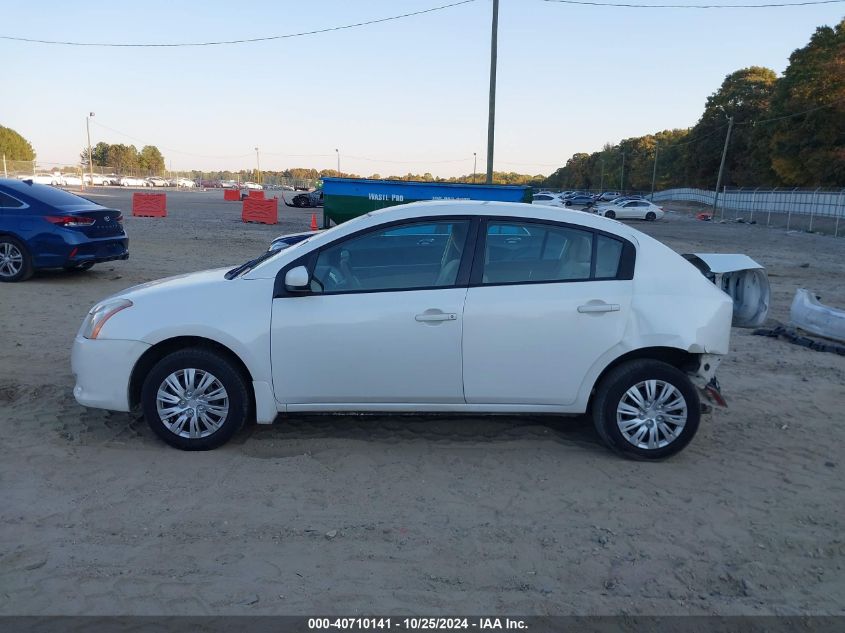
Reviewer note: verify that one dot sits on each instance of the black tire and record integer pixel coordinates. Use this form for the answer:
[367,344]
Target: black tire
[15,247]
[613,388]
[299,202]
[75,268]
[610,214]
[224,371]
[567,203]
[650,216]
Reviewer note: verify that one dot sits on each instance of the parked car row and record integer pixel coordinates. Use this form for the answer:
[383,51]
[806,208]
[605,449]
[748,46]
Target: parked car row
[608,204]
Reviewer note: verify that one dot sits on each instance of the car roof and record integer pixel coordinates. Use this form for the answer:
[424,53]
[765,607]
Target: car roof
[503,209]
[450,208]
[33,192]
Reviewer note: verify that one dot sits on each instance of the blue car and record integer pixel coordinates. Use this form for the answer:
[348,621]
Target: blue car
[44,227]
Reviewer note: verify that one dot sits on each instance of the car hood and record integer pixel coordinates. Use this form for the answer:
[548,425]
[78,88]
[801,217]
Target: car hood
[177,283]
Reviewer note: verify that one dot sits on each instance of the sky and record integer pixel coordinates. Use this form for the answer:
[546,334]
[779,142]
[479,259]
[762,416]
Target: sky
[407,95]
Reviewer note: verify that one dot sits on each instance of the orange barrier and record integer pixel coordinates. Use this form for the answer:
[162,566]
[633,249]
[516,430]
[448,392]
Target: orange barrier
[149,205]
[256,194]
[261,211]
[231,194]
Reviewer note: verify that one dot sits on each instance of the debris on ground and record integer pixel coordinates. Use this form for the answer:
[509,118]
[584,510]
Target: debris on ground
[791,334]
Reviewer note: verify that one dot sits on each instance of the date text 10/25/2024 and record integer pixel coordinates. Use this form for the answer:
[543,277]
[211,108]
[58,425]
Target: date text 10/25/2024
[412,624]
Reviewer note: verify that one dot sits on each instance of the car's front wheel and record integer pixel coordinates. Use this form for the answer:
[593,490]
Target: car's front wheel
[646,409]
[195,399]
[15,262]
[610,214]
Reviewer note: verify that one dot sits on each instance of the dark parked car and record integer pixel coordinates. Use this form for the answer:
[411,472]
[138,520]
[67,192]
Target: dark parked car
[45,227]
[581,199]
[308,199]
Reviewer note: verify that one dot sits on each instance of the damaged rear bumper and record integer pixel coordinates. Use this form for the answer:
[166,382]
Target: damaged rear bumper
[704,379]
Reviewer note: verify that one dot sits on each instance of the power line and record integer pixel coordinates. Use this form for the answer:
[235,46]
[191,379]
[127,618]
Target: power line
[168,149]
[408,162]
[250,40]
[789,116]
[670,144]
[695,6]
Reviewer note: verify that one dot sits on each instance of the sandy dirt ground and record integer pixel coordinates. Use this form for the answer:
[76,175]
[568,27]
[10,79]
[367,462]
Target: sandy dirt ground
[412,515]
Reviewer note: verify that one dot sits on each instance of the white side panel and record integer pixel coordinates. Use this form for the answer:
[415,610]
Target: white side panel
[529,344]
[368,347]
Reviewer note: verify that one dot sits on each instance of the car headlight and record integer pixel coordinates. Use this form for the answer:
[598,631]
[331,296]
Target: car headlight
[100,313]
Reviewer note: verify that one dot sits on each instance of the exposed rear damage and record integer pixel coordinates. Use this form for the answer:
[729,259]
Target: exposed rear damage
[704,378]
[741,278]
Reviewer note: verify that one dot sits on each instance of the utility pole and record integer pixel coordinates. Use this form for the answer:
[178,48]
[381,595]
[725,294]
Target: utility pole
[722,164]
[474,163]
[491,116]
[258,164]
[622,176]
[337,151]
[90,155]
[654,173]
[601,185]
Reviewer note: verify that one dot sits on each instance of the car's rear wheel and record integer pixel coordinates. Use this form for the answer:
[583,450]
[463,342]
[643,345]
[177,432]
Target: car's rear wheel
[650,216]
[646,409]
[610,214]
[195,399]
[15,262]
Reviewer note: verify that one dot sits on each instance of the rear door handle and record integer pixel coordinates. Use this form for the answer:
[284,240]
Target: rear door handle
[427,317]
[591,308]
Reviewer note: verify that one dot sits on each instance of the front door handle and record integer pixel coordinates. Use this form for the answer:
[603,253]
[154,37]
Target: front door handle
[592,308]
[428,317]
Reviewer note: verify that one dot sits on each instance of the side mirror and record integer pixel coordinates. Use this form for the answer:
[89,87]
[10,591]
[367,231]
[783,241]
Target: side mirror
[297,279]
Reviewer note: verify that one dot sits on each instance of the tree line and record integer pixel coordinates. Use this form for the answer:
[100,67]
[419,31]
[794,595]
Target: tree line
[126,158]
[787,131]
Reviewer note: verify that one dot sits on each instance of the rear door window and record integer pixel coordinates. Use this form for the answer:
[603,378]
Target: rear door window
[530,252]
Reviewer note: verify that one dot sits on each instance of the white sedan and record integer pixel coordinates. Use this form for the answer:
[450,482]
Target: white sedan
[71,180]
[632,210]
[132,181]
[437,306]
[547,199]
[43,178]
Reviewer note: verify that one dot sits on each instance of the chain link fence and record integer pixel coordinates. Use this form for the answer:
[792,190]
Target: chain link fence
[813,210]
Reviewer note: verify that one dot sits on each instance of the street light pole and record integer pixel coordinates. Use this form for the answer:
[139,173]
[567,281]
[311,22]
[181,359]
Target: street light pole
[474,163]
[622,176]
[601,185]
[654,173]
[491,113]
[722,164]
[90,155]
[337,151]
[258,164]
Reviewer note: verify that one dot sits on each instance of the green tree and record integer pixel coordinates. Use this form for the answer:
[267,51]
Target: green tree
[809,149]
[746,96]
[122,157]
[15,146]
[151,160]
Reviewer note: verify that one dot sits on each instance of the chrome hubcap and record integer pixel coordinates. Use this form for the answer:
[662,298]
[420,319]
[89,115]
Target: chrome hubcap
[192,403]
[651,414]
[11,260]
